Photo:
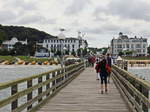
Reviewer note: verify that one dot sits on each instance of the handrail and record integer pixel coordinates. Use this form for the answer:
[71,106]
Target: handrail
[144,83]
[55,79]
[21,80]
[135,90]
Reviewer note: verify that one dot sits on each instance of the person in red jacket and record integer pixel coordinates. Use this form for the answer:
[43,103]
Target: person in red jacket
[97,71]
[104,71]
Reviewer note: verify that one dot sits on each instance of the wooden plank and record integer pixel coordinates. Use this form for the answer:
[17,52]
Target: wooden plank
[83,95]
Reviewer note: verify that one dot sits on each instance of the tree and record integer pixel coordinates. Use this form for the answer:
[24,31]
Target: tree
[67,52]
[2,36]
[58,53]
[20,49]
[79,52]
[4,52]
[73,53]
[31,48]
[84,52]
[129,52]
[121,53]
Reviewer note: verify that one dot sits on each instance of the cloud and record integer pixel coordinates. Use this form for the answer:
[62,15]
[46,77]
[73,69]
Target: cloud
[98,19]
[129,9]
[21,4]
[77,6]
[106,28]
[35,19]
[6,16]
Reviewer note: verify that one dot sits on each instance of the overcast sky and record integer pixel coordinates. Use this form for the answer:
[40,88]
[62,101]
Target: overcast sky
[99,20]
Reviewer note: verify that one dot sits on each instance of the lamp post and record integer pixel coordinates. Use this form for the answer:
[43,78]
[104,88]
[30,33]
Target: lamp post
[63,56]
[124,51]
[81,48]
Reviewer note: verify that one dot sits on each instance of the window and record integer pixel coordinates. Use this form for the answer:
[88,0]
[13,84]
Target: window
[138,45]
[119,46]
[119,40]
[139,50]
[123,46]
[132,46]
[128,46]
[73,46]
[144,46]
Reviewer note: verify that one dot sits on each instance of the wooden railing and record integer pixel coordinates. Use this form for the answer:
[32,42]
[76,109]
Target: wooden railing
[48,84]
[134,90]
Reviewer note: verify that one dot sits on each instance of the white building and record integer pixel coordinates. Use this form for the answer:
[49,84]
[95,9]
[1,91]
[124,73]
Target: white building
[62,43]
[10,43]
[138,46]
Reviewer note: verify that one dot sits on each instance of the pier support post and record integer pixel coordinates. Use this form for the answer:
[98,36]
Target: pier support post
[14,90]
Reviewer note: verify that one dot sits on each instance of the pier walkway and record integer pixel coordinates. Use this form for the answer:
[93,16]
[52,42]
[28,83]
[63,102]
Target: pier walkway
[83,95]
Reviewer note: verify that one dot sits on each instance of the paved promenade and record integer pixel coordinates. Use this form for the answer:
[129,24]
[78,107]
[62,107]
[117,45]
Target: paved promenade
[83,95]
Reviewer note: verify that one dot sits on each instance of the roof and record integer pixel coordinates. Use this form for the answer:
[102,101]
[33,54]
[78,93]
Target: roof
[119,58]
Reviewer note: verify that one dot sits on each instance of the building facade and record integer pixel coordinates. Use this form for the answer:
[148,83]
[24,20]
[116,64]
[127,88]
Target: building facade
[136,46]
[64,44]
[10,43]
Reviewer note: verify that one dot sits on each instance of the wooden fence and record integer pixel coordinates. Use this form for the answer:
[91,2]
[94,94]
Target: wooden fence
[134,90]
[52,81]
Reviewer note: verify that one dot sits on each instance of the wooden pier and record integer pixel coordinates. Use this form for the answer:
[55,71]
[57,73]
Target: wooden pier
[83,95]
[75,89]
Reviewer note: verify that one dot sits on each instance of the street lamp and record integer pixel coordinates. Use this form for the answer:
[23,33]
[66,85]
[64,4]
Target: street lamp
[81,48]
[124,51]
[63,56]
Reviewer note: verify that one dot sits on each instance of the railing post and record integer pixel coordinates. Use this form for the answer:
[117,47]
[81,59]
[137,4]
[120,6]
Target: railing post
[58,80]
[126,65]
[54,82]
[40,89]
[149,99]
[14,90]
[29,96]
[48,85]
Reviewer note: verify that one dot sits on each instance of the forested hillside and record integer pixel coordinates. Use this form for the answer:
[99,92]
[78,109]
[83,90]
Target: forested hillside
[21,33]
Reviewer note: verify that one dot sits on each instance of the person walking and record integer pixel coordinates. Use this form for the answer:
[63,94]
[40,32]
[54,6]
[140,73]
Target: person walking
[97,71]
[109,64]
[104,71]
[93,61]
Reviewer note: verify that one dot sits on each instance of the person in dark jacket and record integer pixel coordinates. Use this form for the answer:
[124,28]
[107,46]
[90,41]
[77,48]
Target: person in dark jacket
[104,71]
[109,64]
